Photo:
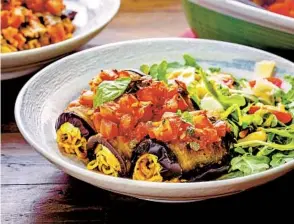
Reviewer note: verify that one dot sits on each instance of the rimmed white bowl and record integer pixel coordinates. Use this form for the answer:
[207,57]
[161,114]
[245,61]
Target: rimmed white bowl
[92,17]
[45,96]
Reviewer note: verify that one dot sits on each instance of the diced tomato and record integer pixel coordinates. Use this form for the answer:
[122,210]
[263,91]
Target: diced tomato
[141,131]
[274,80]
[173,90]
[86,98]
[253,109]
[280,8]
[201,121]
[282,116]
[221,128]
[127,124]
[108,75]
[123,74]
[17,18]
[175,103]
[108,129]
[54,7]
[144,111]
[127,103]
[97,121]
[108,111]
[4,19]
[252,83]
[156,93]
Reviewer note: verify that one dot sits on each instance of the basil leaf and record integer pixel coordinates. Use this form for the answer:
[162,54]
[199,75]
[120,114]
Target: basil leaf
[162,71]
[145,69]
[153,71]
[110,90]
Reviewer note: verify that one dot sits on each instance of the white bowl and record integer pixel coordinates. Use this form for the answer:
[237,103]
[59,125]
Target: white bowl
[45,96]
[91,18]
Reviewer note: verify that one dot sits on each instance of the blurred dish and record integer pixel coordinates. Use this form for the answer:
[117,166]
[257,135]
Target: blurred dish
[282,7]
[28,24]
[236,22]
[91,18]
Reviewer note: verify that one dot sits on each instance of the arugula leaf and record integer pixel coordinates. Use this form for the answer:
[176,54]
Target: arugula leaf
[110,90]
[192,90]
[249,164]
[190,61]
[281,147]
[214,70]
[264,151]
[225,101]
[287,131]
[231,175]
[280,158]
[240,150]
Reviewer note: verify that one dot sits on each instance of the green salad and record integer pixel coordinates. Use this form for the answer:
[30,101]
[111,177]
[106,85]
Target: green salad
[258,111]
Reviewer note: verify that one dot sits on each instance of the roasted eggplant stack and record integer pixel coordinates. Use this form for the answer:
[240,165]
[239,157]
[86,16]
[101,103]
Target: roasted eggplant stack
[107,159]
[129,125]
[153,161]
[73,128]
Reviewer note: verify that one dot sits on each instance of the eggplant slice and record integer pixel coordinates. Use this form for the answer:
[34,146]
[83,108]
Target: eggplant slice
[106,158]
[73,130]
[153,161]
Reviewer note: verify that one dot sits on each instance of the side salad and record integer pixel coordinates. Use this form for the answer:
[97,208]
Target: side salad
[258,111]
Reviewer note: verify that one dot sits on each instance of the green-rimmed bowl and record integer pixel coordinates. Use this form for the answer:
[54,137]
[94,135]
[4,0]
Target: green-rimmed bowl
[232,21]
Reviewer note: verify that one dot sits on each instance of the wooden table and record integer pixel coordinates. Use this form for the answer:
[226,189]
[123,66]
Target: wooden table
[34,191]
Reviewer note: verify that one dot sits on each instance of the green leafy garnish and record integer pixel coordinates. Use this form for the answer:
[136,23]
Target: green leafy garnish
[282,147]
[224,100]
[186,116]
[110,90]
[280,158]
[249,164]
[190,61]
[145,69]
[231,175]
[214,70]
[162,71]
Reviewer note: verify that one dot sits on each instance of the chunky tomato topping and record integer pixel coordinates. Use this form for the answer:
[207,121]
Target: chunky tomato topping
[152,111]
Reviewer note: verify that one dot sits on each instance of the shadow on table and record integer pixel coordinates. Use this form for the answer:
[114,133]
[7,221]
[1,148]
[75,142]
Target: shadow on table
[81,202]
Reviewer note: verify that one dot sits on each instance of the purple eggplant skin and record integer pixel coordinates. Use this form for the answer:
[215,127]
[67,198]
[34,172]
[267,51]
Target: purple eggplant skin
[85,129]
[69,14]
[210,174]
[98,139]
[168,161]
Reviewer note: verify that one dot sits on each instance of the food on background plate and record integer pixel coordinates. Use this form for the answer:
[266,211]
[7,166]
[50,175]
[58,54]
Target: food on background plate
[28,24]
[174,122]
[282,7]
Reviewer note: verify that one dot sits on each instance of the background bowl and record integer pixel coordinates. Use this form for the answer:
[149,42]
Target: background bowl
[46,95]
[91,18]
[236,22]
